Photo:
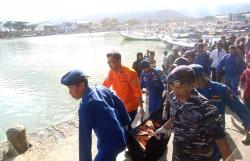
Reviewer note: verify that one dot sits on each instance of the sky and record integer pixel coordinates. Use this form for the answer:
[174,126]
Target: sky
[42,10]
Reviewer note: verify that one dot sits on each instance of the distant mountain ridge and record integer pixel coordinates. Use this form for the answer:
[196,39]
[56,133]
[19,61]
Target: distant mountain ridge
[216,10]
[143,16]
[169,14]
[166,15]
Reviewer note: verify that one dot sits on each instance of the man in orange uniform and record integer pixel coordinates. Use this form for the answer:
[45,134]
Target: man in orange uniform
[125,83]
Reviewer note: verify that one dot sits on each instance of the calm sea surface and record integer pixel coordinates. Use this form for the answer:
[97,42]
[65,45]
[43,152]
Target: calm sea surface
[31,69]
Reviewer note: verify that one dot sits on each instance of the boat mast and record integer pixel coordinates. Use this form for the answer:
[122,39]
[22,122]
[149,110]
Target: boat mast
[127,27]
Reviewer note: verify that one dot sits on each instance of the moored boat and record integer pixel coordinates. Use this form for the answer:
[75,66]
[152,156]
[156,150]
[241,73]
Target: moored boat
[139,36]
[166,39]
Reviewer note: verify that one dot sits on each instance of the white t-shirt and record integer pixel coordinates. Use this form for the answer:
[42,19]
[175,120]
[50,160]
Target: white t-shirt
[217,57]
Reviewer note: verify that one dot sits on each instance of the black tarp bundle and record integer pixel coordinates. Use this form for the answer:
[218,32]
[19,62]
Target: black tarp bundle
[142,145]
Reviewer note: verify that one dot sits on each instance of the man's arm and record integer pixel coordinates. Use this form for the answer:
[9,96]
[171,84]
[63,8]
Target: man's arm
[168,125]
[221,64]
[107,82]
[224,149]
[85,132]
[237,107]
[215,130]
[219,69]
[165,129]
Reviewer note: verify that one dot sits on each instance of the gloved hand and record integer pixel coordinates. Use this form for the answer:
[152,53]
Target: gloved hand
[162,131]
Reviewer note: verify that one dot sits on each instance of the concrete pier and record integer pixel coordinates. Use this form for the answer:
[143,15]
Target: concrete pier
[17,138]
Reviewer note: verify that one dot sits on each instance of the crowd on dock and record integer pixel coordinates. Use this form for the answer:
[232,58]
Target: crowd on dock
[195,86]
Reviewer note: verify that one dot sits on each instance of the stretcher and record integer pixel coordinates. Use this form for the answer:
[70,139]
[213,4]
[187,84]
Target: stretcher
[142,145]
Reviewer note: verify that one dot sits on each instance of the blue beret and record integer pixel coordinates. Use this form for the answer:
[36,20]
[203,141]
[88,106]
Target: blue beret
[73,77]
[181,75]
[144,64]
[198,69]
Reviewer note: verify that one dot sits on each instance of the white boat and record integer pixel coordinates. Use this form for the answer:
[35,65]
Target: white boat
[182,42]
[139,36]
[166,39]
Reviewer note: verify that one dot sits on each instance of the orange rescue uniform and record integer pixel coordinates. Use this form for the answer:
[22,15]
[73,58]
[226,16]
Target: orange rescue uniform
[126,85]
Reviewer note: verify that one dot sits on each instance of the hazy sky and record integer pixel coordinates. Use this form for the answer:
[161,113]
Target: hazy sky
[34,10]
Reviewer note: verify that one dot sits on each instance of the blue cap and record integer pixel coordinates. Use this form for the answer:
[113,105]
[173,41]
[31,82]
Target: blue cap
[74,77]
[144,64]
[198,69]
[181,75]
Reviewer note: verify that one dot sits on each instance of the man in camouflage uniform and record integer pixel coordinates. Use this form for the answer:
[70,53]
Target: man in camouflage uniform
[194,121]
[221,96]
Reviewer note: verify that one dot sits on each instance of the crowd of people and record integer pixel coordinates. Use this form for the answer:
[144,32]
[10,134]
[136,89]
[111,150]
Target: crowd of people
[195,86]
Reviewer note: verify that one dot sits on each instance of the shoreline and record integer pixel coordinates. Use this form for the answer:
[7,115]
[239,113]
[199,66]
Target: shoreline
[54,34]
[40,138]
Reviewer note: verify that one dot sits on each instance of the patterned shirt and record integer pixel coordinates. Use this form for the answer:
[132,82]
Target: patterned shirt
[195,125]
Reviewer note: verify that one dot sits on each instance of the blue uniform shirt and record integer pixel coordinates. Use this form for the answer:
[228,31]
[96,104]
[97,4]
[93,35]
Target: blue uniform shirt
[102,111]
[205,61]
[233,64]
[152,81]
[220,95]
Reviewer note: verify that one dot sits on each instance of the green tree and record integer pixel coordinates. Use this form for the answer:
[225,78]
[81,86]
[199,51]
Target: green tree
[132,22]
[20,25]
[9,25]
[32,26]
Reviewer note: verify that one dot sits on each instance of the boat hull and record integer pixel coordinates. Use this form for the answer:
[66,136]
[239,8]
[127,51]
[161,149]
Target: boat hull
[131,36]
